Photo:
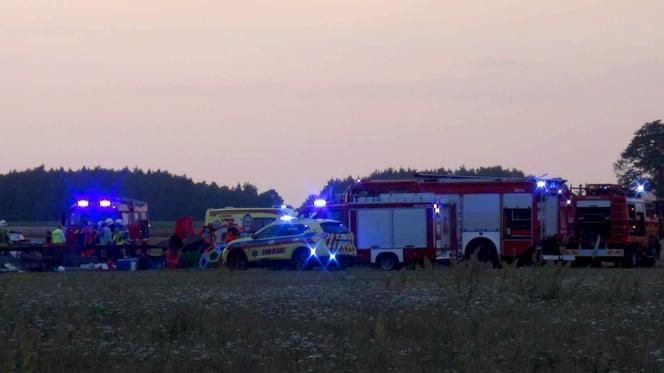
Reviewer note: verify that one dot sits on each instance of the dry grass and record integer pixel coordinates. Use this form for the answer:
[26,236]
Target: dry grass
[464,318]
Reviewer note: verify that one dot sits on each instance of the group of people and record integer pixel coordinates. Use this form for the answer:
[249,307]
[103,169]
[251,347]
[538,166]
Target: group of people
[221,232]
[105,233]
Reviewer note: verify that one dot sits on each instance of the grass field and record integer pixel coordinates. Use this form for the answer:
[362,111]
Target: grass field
[464,318]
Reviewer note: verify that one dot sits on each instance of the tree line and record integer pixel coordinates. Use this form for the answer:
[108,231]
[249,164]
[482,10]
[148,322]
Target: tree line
[41,194]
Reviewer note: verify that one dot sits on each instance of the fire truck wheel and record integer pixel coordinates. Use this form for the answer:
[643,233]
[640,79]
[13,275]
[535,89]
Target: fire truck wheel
[300,260]
[485,251]
[387,262]
[237,261]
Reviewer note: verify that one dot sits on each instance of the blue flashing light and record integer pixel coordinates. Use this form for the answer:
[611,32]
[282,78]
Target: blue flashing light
[104,203]
[320,203]
[312,251]
[640,188]
[569,202]
[541,184]
[283,207]
[333,256]
[82,203]
[286,218]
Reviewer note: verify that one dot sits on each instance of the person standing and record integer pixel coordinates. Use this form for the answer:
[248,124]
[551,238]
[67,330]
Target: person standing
[233,232]
[58,236]
[105,235]
[4,235]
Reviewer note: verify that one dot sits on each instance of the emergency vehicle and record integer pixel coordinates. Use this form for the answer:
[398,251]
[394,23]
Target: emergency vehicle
[134,215]
[250,220]
[611,224]
[303,243]
[443,217]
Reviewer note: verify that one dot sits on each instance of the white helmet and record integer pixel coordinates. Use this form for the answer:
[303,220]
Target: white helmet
[109,221]
[3,223]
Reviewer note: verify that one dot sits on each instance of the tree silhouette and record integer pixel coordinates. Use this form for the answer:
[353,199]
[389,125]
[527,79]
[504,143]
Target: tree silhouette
[644,157]
[39,194]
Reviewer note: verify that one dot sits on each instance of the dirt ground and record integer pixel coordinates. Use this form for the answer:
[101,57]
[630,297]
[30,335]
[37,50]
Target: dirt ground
[463,318]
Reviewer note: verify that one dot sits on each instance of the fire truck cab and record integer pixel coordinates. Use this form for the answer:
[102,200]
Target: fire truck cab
[133,213]
[441,217]
[611,224]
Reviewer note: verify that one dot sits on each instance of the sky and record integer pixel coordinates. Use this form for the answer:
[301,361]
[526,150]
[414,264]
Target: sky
[286,94]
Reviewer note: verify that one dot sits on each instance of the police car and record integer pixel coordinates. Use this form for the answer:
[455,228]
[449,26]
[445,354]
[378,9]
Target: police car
[302,243]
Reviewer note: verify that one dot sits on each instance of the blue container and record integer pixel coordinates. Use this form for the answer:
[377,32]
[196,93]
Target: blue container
[130,264]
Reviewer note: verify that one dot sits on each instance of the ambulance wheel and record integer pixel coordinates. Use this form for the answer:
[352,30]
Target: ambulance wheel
[387,262]
[301,259]
[237,261]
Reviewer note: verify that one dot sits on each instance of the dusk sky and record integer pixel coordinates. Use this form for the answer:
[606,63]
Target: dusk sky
[286,94]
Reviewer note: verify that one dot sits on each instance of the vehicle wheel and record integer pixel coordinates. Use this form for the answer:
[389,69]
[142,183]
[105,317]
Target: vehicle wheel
[237,261]
[387,262]
[484,249]
[301,259]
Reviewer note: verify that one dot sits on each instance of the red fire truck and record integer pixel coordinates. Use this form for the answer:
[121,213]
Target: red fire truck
[611,224]
[442,217]
[133,213]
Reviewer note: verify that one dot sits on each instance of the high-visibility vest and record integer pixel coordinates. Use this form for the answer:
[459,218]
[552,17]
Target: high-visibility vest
[58,236]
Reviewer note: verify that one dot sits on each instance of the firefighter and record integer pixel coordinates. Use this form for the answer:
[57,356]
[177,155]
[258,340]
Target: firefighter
[90,235]
[120,233]
[58,236]
[4,235]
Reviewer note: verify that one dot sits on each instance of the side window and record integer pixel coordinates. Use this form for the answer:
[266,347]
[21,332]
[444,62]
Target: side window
[291,230]
[268,232]
[518,223]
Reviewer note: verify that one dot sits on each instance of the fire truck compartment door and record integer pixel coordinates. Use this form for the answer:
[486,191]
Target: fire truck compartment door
[374,229]
[410,227]
[481,213]
[552,206]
